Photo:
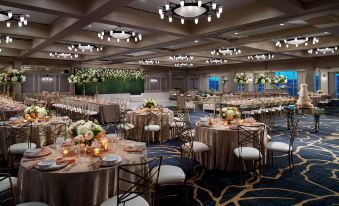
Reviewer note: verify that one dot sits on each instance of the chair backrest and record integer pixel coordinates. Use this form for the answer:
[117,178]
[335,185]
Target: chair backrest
[251,136]
[5,177]
[21,133]
[153,118]
[53,130]
[136,180]
[181,102]
[294,132]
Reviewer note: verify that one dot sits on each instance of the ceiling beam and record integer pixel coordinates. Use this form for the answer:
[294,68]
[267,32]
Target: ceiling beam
[286,6]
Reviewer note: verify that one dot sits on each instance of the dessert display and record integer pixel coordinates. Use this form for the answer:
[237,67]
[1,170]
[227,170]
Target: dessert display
[304,101]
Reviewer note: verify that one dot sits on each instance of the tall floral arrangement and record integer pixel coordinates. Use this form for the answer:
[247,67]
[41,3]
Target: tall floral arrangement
[3,77]
[14,76]
[97,76]
[85,132]
[73,79]
[263,79]
[280,79]
[241,78]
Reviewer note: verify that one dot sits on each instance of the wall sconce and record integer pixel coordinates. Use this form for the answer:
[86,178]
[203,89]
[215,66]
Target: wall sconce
[324,76]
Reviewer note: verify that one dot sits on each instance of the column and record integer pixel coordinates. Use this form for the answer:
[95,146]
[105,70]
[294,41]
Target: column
[17,65]
[170,80]
[309,79]
[324,80]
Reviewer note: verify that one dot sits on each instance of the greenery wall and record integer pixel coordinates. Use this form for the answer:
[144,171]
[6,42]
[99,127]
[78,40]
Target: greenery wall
[115,85]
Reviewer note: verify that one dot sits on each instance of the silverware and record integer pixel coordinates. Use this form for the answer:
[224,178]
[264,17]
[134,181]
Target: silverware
[71,167]
[66,169]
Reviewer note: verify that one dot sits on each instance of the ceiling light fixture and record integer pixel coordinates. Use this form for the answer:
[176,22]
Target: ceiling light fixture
[148,61]
[190,9]
[183,64]
[84,47]
[324,50]
[181,57]
[296,41]
[120,33]
[216,61]
[9,17]
[7,39]
[224,51]
[63,55]
[259,57]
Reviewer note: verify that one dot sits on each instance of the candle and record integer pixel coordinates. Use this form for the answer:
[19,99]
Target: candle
[104,144]
[46,118]
[65,152]
[96,152]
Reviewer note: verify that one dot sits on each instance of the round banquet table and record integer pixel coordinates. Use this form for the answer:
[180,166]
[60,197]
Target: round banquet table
[139,120]
[221,141]
[82,185]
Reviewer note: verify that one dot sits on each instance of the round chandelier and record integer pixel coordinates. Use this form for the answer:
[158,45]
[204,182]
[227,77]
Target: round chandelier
[323,50]
[120,33]
[296,41]
[180,57]
[84,47]
[183,64]
[216,61]
[149,61]
[259,57]
[226,51]
[9,17]
[190,9]
[7,39]
[63,55]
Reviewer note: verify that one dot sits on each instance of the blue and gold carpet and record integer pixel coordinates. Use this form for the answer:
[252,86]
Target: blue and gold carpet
[314,180]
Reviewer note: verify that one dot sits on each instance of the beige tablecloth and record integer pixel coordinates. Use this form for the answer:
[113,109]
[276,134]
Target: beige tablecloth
[221,142]
[139,120]
[81,185]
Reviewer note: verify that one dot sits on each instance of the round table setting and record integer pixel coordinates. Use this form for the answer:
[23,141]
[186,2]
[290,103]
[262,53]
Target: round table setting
[138,118]
[66,175]
[222,139]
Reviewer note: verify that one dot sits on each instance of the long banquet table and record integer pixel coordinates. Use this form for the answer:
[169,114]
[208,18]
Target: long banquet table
[82,185]
[221,141]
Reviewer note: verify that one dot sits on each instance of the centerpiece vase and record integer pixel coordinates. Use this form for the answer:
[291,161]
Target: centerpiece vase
[241,90]
[84,90]
[82,153]
[14,91]
[4,92]
[96,90]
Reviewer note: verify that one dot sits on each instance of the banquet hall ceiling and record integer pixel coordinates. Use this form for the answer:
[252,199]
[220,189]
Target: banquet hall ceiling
[254,26]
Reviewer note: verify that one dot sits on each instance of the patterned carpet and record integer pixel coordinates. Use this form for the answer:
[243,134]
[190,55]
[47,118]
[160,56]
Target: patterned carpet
[314,180]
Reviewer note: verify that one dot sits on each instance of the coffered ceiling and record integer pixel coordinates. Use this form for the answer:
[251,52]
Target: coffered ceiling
[254,26]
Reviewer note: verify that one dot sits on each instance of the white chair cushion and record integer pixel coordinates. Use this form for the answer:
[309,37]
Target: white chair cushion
[197,147]
[177,119]
[5,184]
[152,128]
[247,153]
[138,201]
[32,204]
[169,174]
[125,126]
[177,124]
[269,137]
[20,148]
[278,146]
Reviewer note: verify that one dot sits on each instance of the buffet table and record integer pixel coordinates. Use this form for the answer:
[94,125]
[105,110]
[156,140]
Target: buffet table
[85,184]
[221,141]
[139,119]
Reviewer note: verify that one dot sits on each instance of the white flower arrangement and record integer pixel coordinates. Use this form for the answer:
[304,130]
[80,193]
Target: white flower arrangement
[35,112]
[320,91]
[73,79]
[229,113]
[85,132]
[263,79]
[281,79]
[3,77]
[150,103]
[14,76]
[241,78]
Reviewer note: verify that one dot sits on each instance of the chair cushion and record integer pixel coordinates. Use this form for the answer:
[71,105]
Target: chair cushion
[152,128]
[177,119]
[32,204]
[5,184]
[139,201]
[20,148]
[278,146]
[177,124]
[169,174]
[197,147]
[125,126]
[269,137]
[247,153]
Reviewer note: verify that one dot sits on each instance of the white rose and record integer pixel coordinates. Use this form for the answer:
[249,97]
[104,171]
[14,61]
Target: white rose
[14,79]
[240,81]
[263,81]
[95,79]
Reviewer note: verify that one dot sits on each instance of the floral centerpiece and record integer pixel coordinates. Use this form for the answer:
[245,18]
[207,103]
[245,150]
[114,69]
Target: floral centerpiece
[150,103]
[280,79]
[34,112]
[263,79]
[14,76]
[320,91]
[229,113]
[85,132]
[73,79]
[241,78]
[3,77]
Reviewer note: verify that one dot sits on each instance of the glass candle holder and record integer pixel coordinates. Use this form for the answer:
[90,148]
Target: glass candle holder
[96,152]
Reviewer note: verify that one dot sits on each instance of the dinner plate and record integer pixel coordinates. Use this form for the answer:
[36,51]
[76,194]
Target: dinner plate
[52,167]
[34,153]
[110,160]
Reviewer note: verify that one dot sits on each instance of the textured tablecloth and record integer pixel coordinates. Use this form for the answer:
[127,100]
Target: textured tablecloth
[221,142]
[139,120]
[81,186]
